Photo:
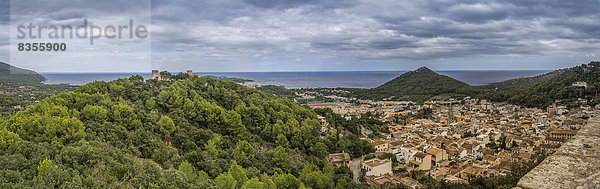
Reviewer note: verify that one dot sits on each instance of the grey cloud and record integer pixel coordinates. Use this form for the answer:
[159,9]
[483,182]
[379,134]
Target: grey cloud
[432,29]
[360,31]
[66,15]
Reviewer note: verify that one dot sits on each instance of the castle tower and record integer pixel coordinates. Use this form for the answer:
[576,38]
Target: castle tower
[155,74]
[191,73]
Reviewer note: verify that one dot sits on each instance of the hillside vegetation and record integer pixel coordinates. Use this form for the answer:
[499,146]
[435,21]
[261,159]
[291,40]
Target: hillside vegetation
[539,91]
[419,85]
[557,88]
[190,133]
[11,74]
[520,83]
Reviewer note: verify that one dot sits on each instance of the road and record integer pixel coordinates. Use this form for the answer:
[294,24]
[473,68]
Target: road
[355,168]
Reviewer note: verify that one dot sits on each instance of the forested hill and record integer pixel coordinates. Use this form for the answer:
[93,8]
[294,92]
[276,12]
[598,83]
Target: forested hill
[420,84]
[11,74]
[559,87]
[520,83]
[539,91]
[189,133]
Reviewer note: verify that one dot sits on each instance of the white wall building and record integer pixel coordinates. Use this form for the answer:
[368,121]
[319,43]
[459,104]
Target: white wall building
[377,167]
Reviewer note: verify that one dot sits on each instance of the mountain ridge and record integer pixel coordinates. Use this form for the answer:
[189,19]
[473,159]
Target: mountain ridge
[12,74]
[538,91]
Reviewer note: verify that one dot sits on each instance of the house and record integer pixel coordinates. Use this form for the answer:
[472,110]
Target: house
[563,134]
[411,183]
[580,84]
[437,155]
[551,109]
[483,139]
[405,154]
[421,161]
[473,172]
[440,173]
[381,146]
[377,181]
[377,167]
[453,179]
[339,159]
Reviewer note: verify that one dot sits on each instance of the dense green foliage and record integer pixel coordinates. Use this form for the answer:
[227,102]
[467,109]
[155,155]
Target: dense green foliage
[277,91]
[18,96]
[556,88]
[20,88]
[418,85]
[520,83]
[350,143]
[186,133]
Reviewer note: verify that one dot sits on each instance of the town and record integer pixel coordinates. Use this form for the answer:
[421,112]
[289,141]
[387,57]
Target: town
[459,140]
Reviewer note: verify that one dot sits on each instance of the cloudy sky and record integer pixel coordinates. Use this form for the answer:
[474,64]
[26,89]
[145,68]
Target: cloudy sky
[310,35]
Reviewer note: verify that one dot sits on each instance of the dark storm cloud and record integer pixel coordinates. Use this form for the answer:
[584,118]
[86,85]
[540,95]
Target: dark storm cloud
[361,31]
[380,30]
[283,4]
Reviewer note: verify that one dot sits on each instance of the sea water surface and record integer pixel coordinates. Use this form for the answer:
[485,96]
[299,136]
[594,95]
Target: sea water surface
[346,79]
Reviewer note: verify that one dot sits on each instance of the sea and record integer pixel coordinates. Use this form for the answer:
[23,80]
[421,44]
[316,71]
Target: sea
[344,79]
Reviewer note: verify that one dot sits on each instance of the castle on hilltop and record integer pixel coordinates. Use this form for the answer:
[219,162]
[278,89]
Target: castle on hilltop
[156,75]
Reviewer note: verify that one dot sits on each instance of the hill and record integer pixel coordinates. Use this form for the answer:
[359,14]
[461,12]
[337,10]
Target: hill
[11,74]
[558,88]
[519,83]
[188,133]
[419,85]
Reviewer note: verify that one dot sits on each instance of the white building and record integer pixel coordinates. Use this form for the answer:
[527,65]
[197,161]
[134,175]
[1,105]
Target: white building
[404,154]
[483,139]
[377,167]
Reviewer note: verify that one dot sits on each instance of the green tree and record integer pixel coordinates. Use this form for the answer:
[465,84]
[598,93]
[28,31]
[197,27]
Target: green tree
[165,75]
[286,181]
[212,147]
[124,115]
[94,113]
[243,153]
[238,173]
[279,157]
[202,177]
[319,150]
[268,182]
[188,170]
[282,141]
[167,126]
[253,183]
[7,139]
[225,180]
[45,167]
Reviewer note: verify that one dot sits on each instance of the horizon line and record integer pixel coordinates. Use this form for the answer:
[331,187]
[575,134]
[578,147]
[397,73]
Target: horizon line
[293,71]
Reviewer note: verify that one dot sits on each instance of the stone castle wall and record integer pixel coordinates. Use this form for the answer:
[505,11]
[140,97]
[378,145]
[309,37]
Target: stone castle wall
[576,164]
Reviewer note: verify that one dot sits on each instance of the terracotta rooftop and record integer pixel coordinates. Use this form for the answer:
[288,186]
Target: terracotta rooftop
[420,155]
[376,162]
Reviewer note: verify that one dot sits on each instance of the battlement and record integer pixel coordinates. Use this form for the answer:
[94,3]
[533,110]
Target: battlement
[576,164]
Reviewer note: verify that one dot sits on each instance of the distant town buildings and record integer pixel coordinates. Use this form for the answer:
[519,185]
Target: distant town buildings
[463,139]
